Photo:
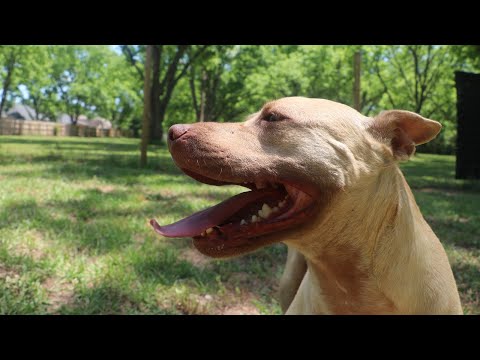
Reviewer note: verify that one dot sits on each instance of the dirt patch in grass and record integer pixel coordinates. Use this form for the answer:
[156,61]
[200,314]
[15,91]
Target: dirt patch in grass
[245,309]
[33,245]
[8,273]
[194,257]
[447,192]
[106,188]
[229,303]
[59,293]
[237,303]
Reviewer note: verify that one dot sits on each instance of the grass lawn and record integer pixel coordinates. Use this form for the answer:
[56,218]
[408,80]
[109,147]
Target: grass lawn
[74,237]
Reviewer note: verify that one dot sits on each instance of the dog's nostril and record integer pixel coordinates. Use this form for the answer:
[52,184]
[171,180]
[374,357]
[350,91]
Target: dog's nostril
[177,131]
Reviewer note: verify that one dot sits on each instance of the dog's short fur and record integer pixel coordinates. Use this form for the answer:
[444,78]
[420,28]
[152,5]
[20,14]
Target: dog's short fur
[368,249]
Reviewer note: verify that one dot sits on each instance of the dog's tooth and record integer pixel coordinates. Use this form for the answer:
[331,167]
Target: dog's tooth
[260,214]
[209,230]
[203,233]
[254,219]
[243,222]
[266,210]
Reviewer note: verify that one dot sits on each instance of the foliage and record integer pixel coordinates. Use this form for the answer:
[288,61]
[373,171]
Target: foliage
[227,82]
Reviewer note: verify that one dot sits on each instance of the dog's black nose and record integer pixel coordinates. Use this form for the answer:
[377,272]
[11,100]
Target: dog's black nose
[177,131]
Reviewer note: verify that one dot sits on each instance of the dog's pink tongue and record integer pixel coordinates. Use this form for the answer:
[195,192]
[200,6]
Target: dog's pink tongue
[197,223]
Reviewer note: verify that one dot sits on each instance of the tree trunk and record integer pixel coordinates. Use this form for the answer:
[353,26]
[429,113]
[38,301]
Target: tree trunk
[155,125]
[202,95]
[8,80]
[36,107]
[147,96]
[194,93]
[356,85]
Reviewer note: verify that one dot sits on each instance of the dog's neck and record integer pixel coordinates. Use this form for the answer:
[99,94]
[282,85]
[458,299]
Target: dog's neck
[370,230]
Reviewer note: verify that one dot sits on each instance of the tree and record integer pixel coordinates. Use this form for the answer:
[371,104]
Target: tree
[10,56]
[411,74]
[170,64]
[94,81]
[147,88]
[34,76]
[210,84]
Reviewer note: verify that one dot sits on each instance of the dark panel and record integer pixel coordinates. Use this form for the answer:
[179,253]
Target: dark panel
[468,125]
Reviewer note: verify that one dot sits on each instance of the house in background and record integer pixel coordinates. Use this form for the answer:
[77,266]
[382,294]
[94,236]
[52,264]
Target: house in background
[101,123]
[24,112]
[98,122]
[64,119]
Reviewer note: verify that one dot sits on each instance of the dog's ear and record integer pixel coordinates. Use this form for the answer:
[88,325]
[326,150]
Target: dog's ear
[403,130]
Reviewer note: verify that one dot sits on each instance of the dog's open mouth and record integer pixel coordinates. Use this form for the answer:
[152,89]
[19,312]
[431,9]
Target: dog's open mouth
[238,223]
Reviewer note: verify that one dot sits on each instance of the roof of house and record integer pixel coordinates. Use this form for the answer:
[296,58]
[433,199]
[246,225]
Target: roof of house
[24,112]
[64,119]
[97,122]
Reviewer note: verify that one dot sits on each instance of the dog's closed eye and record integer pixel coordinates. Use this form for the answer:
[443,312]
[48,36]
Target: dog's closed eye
[272,117]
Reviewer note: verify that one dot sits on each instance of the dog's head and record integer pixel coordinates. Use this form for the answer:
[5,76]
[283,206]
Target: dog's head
[294,155]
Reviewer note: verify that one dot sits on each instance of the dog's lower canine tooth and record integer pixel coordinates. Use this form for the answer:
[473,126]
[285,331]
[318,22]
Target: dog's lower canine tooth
[266,209]
[209,230]
[243,222]
[254,218]
[265,212]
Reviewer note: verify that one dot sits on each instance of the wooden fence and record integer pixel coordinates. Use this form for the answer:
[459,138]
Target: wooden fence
[24,127]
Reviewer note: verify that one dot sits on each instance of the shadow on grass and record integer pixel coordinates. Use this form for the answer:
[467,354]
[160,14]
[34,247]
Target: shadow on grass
[436,171]
[166,269]
[144,289]
[455,218]
[78,160]
[105,299]
[467,276]
[72,143]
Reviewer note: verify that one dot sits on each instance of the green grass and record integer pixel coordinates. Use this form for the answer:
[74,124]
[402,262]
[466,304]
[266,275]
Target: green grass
[74,237]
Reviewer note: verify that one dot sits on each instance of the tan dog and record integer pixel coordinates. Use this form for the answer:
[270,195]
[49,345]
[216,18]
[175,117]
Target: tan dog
[324,180]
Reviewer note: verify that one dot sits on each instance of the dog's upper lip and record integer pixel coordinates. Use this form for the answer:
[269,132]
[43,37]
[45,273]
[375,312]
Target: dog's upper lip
[251,183]
[205,179]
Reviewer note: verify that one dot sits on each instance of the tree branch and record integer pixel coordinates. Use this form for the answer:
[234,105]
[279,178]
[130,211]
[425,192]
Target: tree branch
[402,73]
[190,61]
[131,58]
[413,51]
[194,93]
[168,80]
[377,69]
